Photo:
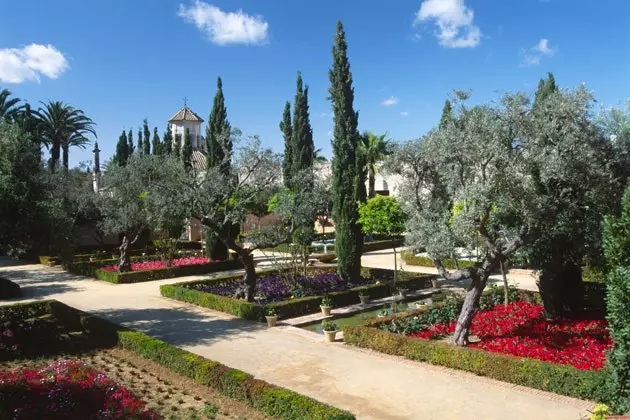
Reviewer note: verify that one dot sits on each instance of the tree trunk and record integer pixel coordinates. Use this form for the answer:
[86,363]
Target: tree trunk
[250,276]
[54,155]
[506,294]
[124,265]
[395,264]
[371,184]
[65,156]
[471,303]
[561,288]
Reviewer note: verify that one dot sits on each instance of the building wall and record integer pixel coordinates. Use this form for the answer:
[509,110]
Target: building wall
[194,130]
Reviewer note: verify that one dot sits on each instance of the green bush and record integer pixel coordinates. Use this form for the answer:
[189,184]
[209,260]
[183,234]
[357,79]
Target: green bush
[268,399]
[8,289]
[420,260]
[288,308]
[93,269]
[367,246]
[561,379]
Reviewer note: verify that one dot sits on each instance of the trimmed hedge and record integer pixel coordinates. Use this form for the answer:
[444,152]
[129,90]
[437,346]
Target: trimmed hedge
[367,246]
[288,308]
[268,399]
[8,289]
[93,269]
[423,261]
[561,379]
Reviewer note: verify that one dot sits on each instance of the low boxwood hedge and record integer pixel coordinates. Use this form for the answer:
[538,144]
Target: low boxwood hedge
[449,263]
[93,269]
[294,307]
[561,379]
[367,246]
[8,289]
[269,399]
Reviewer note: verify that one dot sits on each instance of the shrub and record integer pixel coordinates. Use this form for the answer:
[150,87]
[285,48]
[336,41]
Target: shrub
[449,263]
[8,289]
[533,373]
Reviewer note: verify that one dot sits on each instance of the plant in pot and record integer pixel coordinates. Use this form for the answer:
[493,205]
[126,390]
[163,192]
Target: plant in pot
[272,317]
[382,313]
[326,306]
[330,329]
[364,297]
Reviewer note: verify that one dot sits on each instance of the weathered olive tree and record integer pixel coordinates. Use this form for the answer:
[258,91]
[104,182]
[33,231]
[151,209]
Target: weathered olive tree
[140,196]
[492,177]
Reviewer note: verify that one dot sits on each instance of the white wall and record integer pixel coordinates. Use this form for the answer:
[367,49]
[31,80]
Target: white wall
[194,130]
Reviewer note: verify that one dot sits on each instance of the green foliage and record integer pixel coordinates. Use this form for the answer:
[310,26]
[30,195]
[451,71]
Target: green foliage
[218,133]
[8,289]
[327,302]
[617,253]
[423,261]
[329,325]
[147,137]
[374,149]
[167,145]
[347,167]
[302,147]
[157,146]
[187,151]
[382,214]
[287,133]
[122,150]
[561,379]
[447,115]
[600,412]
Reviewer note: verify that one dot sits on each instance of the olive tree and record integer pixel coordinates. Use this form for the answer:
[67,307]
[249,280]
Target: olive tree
[498,176]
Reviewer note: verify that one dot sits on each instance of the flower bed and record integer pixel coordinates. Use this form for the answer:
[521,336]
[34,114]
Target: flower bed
[66,389]
[520,329]
[155,265]
[374,282]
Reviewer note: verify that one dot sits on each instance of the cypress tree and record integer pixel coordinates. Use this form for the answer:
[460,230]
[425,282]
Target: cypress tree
[147,137]
[167,146]
[348,177]
[218,131]
[157,149]
[177,147]
[122,150]
[546,87]
[141,148]
[447,114]
[287,130]
[187,150]
[130,146]
[302,146]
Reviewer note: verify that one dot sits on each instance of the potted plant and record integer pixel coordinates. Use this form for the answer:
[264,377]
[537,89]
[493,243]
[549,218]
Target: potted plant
[272,317]
[364,297]
[330,330]
[326,306]
[382,313]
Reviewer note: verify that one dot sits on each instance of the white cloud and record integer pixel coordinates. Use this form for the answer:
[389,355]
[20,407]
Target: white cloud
[532,56]
[455,27]
[392,100]
[404,113]
[224,28]
[18,65]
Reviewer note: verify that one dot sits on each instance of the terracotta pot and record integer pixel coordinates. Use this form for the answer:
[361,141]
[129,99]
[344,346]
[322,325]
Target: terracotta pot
[271,321]
[364,299]
[326,310]
[330,335]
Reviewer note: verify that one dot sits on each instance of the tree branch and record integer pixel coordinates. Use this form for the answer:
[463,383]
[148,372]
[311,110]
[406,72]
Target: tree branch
[457,275]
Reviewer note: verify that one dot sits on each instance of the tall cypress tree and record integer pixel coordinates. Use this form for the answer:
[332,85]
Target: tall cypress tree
[287,130]
[546,87]
[218,141]
[122,150]
[130,146]
[157,146]
[187,150]
[177,146]
[447,114]
[347,175]
[141,148]
[147,137]
[167,146]
[302,146]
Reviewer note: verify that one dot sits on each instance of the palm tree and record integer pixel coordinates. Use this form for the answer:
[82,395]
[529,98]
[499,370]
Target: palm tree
[8,106]
[60,127]
[374,149]
[318,157]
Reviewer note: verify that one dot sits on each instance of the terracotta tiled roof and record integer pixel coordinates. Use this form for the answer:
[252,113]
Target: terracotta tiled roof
[199,160]
[185,114]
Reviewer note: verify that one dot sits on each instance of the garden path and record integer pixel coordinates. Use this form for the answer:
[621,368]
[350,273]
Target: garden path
[371,385]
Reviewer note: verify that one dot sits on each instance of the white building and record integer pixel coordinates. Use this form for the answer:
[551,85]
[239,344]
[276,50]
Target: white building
[186,119]
[385,184]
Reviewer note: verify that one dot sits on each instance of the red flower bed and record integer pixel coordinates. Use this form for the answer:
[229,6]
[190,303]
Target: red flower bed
[521,330]
[66,389]
[154,265]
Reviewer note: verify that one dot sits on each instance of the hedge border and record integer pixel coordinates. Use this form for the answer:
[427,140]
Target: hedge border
[93,269]
[288,308]
[9,289]
[550,377]
[269,399]
[419,260]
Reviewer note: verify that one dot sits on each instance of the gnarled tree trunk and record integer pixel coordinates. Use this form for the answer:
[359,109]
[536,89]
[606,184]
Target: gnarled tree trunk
[471,303]
[124,264]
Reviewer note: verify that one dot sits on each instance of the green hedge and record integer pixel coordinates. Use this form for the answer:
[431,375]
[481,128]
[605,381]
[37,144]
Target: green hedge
[93,269]
[268,399]
[289,308]
[561,379]
[367,246]
[8,289]
[449,263]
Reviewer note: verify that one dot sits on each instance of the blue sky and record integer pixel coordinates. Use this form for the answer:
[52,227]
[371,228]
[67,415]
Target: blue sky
[124,60]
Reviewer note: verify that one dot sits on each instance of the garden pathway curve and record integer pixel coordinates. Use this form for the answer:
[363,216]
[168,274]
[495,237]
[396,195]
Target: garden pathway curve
[371,385]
